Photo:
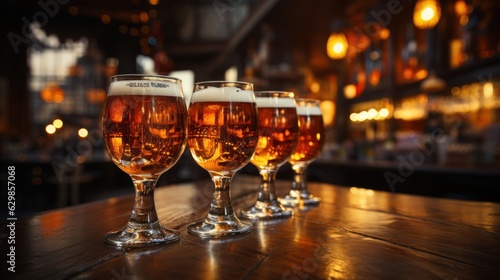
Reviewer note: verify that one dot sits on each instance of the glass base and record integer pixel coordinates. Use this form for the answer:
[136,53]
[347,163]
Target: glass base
[293,200]
[266,211]
[220,226]
[139,235]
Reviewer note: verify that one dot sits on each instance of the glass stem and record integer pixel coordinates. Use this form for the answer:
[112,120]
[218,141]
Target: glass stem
[221,202]
[144,207]
[299,186]
[267,190]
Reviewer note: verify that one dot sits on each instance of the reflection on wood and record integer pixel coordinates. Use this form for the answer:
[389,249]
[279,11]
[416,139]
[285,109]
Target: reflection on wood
[353,233]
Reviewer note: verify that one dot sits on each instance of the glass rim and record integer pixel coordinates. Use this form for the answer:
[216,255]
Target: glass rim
[129,77]
[274,94]
[308,101]
[225,83]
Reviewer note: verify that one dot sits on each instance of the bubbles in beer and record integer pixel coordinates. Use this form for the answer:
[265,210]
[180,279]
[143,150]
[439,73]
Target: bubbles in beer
[144,133]
[222,135]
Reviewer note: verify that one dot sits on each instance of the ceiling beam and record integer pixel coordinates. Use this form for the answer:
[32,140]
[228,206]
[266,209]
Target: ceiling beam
[248,25]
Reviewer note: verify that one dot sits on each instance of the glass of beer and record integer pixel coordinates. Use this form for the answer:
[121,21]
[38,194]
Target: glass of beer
[222,137]
[309,146]
[278,134]
[145,132]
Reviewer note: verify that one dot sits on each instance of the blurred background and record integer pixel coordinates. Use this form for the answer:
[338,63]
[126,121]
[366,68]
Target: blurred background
[410,90]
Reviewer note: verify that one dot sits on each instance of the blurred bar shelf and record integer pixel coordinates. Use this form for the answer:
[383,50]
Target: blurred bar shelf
[463,180]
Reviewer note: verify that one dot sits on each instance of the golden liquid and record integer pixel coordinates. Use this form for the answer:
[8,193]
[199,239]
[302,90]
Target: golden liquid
[144,134]
[222,136]
[278,132]
[311,139]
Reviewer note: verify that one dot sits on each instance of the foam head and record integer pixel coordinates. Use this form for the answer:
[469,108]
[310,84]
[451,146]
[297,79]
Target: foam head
[308,111]
[223,94]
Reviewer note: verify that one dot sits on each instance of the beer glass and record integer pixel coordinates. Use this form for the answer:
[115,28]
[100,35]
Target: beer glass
[222,137]
[145,132]
[309,146]
[278,134]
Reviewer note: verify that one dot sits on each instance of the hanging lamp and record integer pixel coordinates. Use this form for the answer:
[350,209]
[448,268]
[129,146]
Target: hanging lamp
[426,14]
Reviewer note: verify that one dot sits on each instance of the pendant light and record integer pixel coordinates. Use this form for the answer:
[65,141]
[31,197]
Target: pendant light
[426,14]
[336,46]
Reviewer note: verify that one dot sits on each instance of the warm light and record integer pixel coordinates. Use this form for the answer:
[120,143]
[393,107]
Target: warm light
[105,19]
[407,73]
[361,191]
[375,77]
[350,91]
[461,7]
[354,117]
[384,34]
[96,95]
[328,109]
[144,16]
[374,55]
[362,116]
[464,20]
[488,90]
[231,74]
[50,129]
[433,84]
[426,14]
[384,113]
[455,91]
[371,113]
[421,74]
[456,52]
[315,87]
[336,46]
[154,2]
[412,108]
[57,123]
[52,92]
[82,132]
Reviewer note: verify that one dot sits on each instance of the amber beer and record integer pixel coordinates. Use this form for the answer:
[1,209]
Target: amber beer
[277,133]
[311,135]
[222,134]
[144,133]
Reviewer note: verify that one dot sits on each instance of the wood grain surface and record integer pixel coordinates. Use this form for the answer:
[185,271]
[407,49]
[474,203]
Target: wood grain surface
[354,233]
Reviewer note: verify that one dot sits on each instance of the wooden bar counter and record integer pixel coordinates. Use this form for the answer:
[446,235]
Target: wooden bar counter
[353,234]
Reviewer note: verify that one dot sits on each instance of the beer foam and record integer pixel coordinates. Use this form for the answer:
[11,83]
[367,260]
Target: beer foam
[310,111]
[224,94]
[144,87]
[272,102]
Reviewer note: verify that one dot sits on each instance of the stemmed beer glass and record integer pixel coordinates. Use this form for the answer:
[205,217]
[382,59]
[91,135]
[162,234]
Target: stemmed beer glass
[222,137]
[309,146]
[278,134]
[145,131]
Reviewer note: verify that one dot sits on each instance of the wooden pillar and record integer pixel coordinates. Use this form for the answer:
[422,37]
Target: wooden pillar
[14,70]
